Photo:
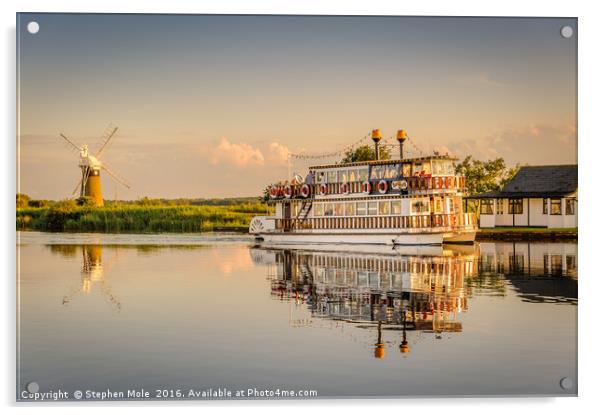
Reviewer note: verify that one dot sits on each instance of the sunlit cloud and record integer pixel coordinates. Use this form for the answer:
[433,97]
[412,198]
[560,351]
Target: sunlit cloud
[234,154]
[533,144]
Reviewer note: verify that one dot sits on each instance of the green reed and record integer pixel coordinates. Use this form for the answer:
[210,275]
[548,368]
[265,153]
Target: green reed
[136,218]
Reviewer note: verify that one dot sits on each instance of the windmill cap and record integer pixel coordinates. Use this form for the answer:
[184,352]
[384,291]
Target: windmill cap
[402,135]
[376,135]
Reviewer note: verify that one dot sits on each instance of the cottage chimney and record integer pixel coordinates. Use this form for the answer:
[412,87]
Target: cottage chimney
[401,137]
[376,137]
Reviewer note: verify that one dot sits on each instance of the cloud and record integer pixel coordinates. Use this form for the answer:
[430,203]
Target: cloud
[278,154]
[532,144]
[233,154]
[245,155]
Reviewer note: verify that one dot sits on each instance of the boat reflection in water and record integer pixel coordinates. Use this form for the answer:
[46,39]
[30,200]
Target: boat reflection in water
[398,289]
[414,289]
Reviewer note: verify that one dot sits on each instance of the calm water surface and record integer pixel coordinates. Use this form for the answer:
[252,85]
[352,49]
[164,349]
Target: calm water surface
[170,312]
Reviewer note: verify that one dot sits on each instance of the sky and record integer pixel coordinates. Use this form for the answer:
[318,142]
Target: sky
[211,106]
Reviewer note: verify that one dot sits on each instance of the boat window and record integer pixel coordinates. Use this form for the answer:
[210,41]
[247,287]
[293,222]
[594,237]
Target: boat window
[392,171]
[339,209]
[384,208]
[426,167]
[320,176]
[443,167]
[500,206]
[377,172]
[363,175]
[349,209]
[419,206]
[417,168]
[438,205]
[569,206]
[372,208]
[328,209]
[319,209]
[515,206]
[407,169]
[396,207]
[352,176]
[556,206]
[360,208]
[332,176]
[343,176]
[487,207]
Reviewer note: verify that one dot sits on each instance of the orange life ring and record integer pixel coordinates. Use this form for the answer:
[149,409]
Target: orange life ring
[323,189]
[288,191]
[382,187]
[305,190]
[366,187]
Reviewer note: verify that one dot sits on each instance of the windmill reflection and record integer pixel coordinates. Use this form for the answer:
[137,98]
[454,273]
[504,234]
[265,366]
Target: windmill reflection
[93,273]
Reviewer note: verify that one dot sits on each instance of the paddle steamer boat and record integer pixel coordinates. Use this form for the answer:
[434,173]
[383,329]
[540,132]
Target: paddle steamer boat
[407,201]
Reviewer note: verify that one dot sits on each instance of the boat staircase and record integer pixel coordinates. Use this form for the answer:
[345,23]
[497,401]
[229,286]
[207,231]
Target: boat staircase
[303,212]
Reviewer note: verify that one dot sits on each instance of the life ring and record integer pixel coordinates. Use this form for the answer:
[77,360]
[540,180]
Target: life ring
[382,187]
[345,188]
[273,192]
[403,184]
[323,189]
[288,191]
[366,187]
[305,190]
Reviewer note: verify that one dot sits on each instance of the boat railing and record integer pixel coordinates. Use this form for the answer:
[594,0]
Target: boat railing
[434,220]
[414,184]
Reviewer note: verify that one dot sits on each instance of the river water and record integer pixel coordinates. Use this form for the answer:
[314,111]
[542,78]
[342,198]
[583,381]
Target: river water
[172,314]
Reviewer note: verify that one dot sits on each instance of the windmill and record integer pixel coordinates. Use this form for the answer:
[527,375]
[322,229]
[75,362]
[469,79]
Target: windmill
[90,165]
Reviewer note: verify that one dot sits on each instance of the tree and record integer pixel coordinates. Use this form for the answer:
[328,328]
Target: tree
[22,200]
[485,176]
[365,153]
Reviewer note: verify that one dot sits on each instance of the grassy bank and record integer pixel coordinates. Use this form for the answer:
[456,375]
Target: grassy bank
[66,216]
[527,234]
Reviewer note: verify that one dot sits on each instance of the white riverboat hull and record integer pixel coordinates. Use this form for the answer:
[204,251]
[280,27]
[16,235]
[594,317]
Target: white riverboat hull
[431,238]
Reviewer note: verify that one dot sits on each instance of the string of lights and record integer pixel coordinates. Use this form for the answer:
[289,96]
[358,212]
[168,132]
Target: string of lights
[307,156]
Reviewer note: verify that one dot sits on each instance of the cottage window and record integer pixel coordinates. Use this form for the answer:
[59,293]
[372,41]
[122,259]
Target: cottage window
[396,207]
[500,206]
[545,206]
[515,206]
[360,208]
[383,208]
[487,207]
[372,208]
[569,206]
[319,209]
[556,206]
[349,209]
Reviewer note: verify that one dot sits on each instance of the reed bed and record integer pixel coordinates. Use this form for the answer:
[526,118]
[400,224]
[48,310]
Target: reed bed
[134,218]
